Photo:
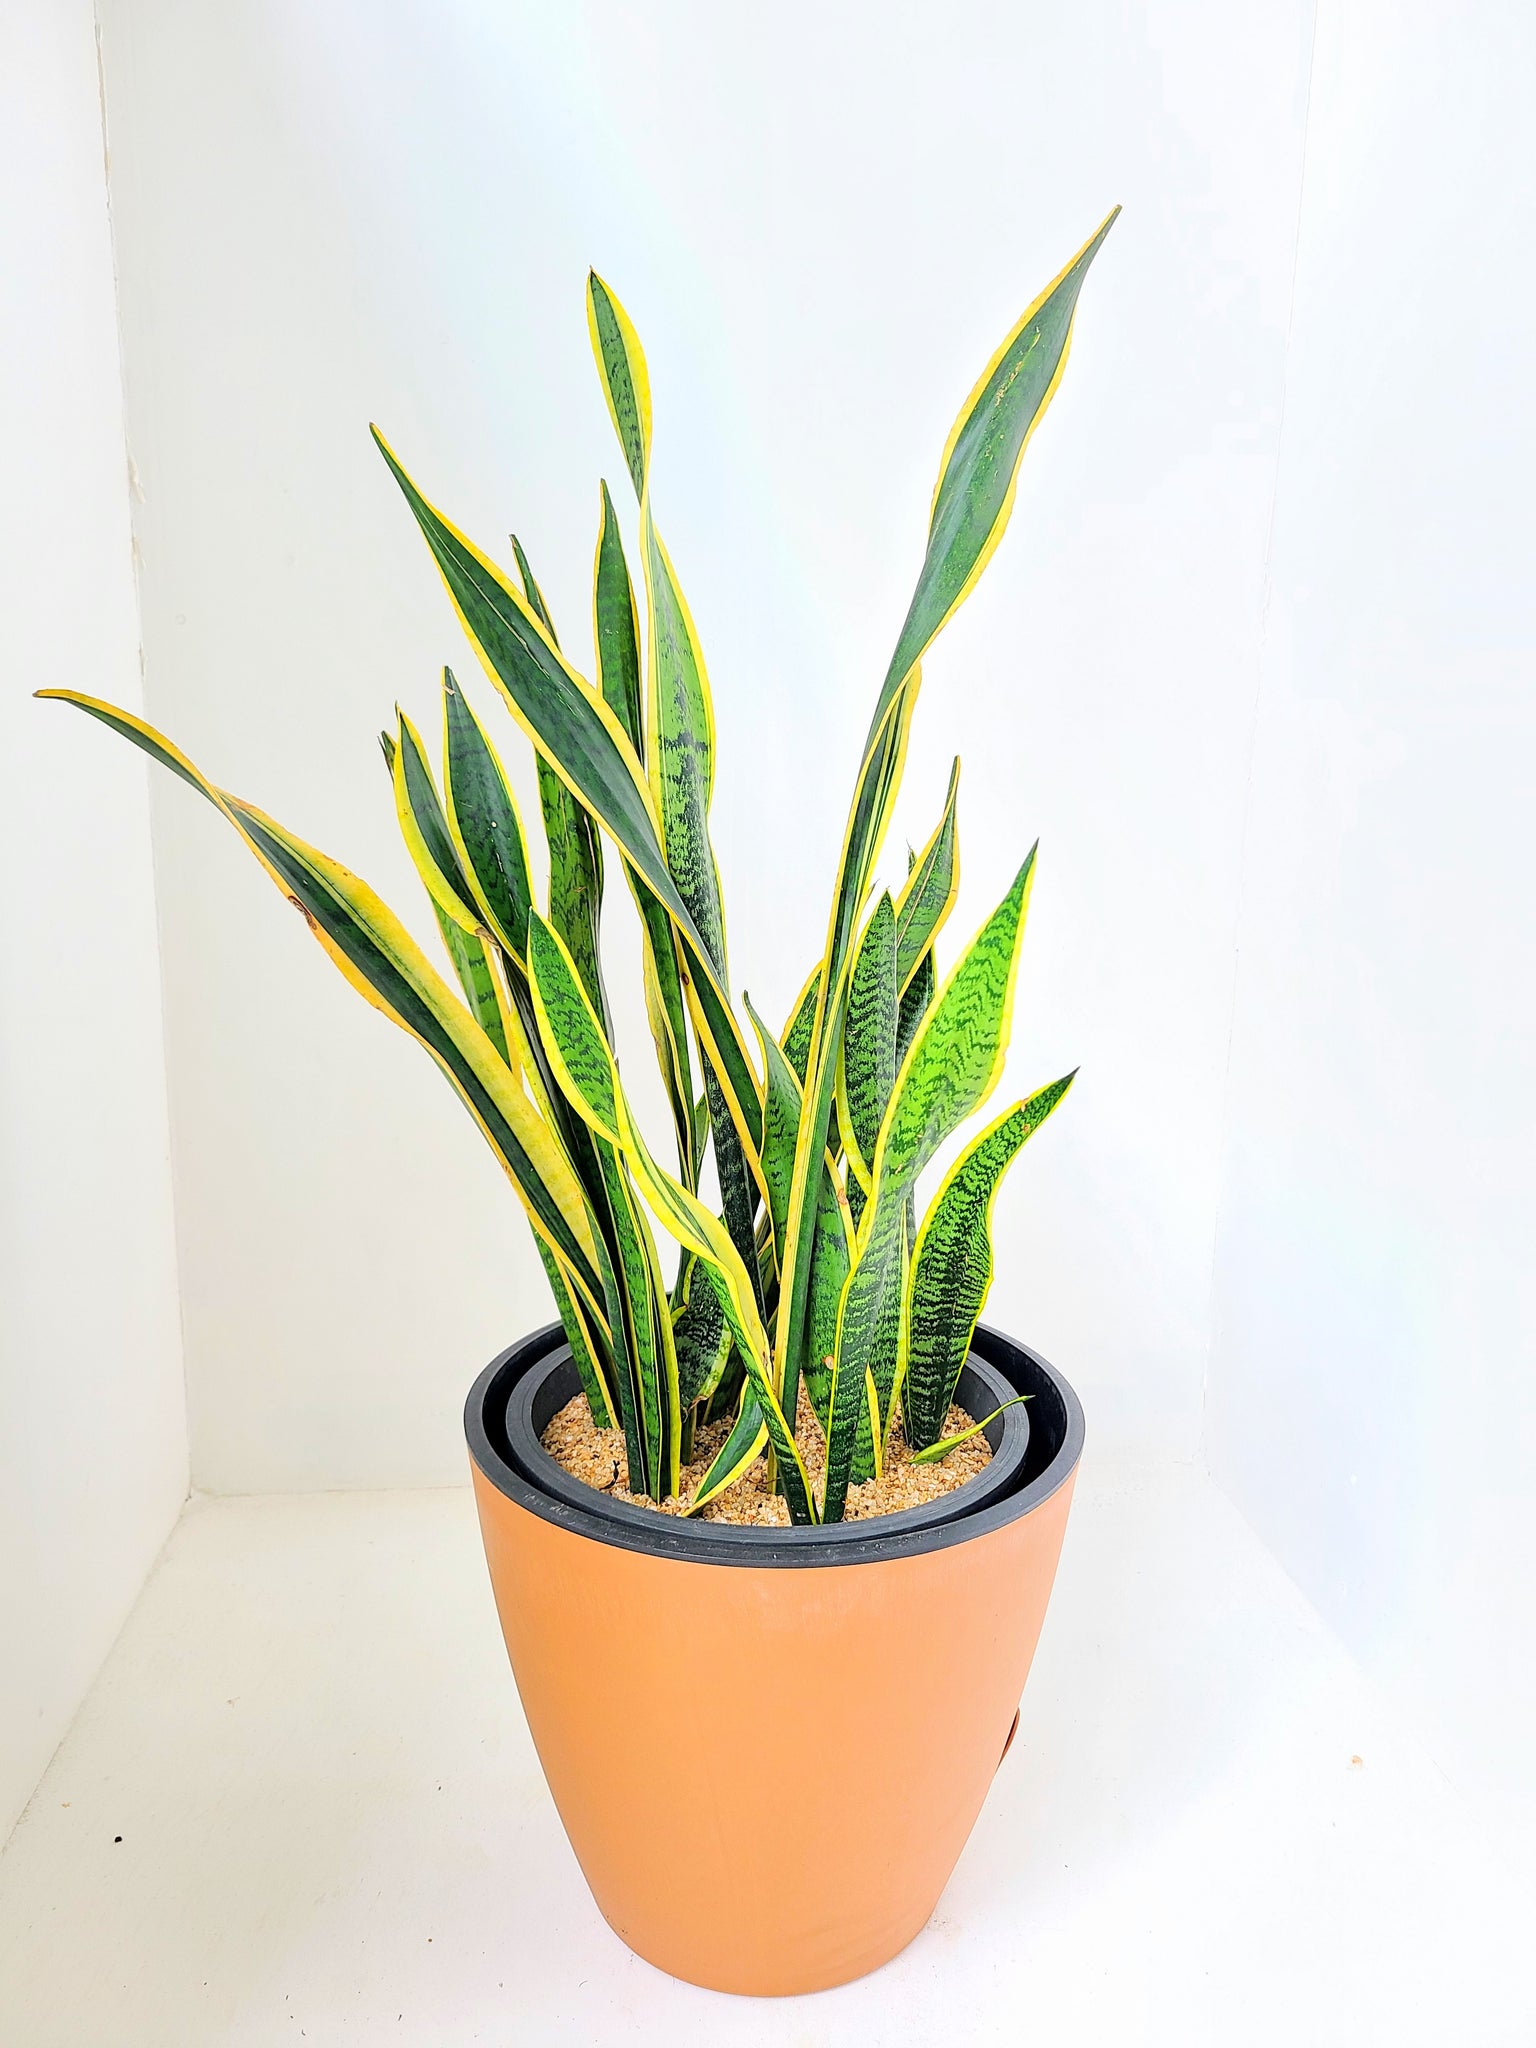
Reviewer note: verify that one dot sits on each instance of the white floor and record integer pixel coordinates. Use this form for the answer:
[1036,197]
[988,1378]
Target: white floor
[301,1804]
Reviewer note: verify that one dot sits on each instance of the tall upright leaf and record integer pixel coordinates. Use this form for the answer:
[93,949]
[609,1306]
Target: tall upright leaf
[952,1264]
[483,823]
[577,734]
[868,1068]
[616,635]
[575,852]
[575,1041]
[679,727]
[384,964]
[929,895]
[971,502]
[952,1067]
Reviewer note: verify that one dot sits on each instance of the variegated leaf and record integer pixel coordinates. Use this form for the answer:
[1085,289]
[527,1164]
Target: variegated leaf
[952,1264]
[971,503]
[952,1067]
[580,1055]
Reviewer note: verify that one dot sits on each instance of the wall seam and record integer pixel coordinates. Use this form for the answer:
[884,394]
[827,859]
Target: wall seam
[135,496]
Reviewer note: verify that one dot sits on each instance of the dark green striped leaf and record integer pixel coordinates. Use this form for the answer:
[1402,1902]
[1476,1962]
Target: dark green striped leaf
[742,1447]
[930,892]
[701,1338]
[380,959]
[952,1265]
[796,1038]
[580,1340]
[617,630]
[970,509]
[574,730]
[952,1068]
[869,1041]
[483,822]
[585,1069]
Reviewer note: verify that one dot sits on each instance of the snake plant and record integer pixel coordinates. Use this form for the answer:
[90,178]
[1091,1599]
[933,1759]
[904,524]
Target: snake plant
[816,1271]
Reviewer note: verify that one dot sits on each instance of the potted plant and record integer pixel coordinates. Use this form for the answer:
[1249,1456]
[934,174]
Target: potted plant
[767,1743]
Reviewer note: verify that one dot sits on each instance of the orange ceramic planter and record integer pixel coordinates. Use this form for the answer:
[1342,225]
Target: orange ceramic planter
[769,1755]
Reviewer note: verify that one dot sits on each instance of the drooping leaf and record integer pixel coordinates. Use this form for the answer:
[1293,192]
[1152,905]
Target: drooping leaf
[952,1264]
[944,1445]
[382,961]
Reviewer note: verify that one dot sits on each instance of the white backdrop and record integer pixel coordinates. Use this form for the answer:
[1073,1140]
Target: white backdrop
[822,222]
[1373,1384]
[93,1451]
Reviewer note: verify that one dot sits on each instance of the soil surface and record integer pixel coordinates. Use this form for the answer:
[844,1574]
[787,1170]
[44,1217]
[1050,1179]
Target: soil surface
[597,1456]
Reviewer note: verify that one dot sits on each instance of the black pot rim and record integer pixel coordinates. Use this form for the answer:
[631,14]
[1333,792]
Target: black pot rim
[1008,1435]
[1056,1436]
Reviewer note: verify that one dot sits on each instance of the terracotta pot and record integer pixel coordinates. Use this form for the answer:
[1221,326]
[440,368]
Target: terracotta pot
[768,1756]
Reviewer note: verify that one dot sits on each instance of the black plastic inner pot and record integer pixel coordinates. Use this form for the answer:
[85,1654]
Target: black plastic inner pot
[1054,1445]
[541,1393]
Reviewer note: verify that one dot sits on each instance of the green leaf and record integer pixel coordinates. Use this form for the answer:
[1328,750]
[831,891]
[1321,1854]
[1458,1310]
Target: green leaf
[616,630]
[584,1065]
[831,1256]
[679,749]
[742,1448]
[869,1345]
[477,979]
[930,892]
[702,1340]
[425,830]
[957,1055]
[575,880]
[971,503]
[575,851]
[626,382]
[576,732]
[781,1121]
[951,1069]
[979,471]
[942,1448]
[916,999]
[579,1337]
[796,1035]
[483,823]
[380,959]
[868,1070]
[952,1264]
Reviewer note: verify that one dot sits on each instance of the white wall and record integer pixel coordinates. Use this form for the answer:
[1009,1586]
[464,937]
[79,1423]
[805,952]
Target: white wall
[93,1460]
[822,219]
[1373,1382]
